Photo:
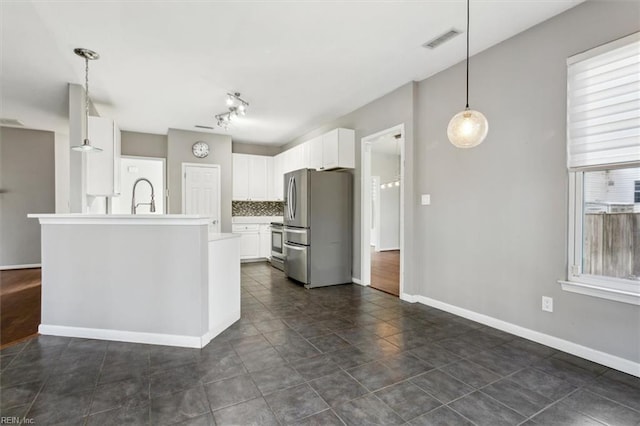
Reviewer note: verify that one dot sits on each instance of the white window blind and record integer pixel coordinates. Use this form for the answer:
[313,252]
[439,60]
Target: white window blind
[603,105]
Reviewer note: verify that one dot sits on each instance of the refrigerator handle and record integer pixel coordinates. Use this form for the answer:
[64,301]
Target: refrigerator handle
[294,194]
[289,200]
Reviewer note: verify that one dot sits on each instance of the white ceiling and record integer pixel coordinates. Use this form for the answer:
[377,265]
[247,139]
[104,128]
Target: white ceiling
[298,63]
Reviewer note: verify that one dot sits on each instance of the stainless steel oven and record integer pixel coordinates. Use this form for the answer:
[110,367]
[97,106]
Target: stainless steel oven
[277,245]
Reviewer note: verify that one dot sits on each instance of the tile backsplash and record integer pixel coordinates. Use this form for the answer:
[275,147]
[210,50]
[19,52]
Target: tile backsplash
[257,208]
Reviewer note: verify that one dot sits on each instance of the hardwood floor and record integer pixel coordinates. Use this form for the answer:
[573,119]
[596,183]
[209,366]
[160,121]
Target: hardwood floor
[385,271]
[19,304]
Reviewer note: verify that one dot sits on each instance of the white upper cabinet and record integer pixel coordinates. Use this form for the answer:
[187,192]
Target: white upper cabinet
[250,177]
[296,158]
[277,179]
[333,150]
[240,177]
[338,149]
[314,147]
[103,168]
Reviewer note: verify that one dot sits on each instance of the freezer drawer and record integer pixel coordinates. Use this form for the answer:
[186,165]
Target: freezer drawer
[296,264]
[297,235]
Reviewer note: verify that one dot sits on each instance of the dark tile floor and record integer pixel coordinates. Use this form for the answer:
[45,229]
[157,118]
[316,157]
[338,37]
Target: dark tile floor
[328,356]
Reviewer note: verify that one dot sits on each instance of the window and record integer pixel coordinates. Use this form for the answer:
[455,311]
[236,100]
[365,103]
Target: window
[603,159]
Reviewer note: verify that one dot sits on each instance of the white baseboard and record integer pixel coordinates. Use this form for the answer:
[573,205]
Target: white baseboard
[211,334]
[25,266]
[408,298]
[594,355]
[356,281]
[389,249]
[122,336]
[254,260]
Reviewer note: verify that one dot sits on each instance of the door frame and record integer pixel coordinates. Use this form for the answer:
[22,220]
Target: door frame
[165,189]
[365,203]
[184,184]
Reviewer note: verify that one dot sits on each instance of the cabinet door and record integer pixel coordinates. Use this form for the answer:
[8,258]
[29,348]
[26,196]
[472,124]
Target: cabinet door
[102,172]
[347,148]
[330,151]
[240,177]
[249,245]
[258,178]
[315,153]
[265,241]
[269,180]
[277,179]
[297,157]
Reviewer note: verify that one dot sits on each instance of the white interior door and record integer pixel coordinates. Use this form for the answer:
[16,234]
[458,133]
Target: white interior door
[201,192]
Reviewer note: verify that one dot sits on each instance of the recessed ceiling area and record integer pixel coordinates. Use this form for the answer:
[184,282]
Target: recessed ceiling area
[299,64]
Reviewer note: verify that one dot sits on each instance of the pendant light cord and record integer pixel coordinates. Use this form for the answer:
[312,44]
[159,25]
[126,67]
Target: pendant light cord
[86,99]
[467,54]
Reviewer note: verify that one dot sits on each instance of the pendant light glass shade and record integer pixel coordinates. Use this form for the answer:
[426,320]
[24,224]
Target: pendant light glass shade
[467,129]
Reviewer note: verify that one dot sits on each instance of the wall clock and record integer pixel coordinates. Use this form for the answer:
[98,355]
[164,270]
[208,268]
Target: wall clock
[200,149]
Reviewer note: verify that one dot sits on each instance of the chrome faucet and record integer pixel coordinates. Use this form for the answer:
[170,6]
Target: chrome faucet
[152,204]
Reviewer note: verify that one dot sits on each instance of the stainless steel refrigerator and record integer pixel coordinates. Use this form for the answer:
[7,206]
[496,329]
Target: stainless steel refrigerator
[318,227]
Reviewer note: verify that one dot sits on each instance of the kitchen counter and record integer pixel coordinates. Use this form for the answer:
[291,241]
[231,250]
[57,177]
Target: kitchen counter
[159,279]
[256,219]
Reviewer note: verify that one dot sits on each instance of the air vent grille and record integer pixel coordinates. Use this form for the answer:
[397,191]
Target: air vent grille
[203,127]
[10,122]
[442,38]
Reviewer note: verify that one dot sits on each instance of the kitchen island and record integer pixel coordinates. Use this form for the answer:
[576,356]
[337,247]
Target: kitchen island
[159,279]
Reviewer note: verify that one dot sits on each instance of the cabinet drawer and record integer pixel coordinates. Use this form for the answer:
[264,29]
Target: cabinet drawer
[250,227]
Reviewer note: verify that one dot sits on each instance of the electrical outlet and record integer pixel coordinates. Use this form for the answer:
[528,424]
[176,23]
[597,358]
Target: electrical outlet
[547,304]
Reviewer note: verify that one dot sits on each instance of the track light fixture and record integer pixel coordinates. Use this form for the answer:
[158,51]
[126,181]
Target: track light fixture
[234,100]
[237,106]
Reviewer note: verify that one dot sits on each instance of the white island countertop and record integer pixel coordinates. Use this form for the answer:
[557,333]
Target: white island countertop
[121,219]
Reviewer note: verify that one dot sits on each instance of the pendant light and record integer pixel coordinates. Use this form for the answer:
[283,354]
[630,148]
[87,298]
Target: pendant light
[86,144]
[467,128]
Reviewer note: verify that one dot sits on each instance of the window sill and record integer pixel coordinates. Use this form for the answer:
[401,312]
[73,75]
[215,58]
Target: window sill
[619,292]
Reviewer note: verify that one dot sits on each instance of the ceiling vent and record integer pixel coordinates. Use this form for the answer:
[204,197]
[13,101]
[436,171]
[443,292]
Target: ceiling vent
[10,122]
[203,127]
[442,38]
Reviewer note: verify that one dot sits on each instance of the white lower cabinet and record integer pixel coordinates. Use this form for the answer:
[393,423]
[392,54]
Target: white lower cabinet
[255,240]
[249,240]
[265,241]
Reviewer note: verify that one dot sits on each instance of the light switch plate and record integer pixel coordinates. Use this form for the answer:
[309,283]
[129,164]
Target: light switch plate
[426,199]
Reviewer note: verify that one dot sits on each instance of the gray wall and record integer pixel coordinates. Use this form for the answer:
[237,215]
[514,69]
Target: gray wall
[179,144]
[387,166]
[390,110]
[494,239]
[143,144]
[27,185]
[247,148]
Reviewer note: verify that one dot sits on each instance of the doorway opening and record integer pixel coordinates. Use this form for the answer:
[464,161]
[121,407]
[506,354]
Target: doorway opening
[133,168]
[382,207]
[201,192]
